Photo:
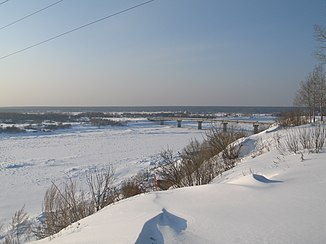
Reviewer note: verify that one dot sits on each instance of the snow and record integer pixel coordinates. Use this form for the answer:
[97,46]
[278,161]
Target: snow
[30,161]
[266,198]
[269,197]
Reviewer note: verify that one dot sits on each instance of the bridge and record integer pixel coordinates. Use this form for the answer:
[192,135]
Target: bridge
[200,121]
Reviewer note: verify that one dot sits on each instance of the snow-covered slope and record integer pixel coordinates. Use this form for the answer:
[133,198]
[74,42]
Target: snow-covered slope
[30,161]
[266,198]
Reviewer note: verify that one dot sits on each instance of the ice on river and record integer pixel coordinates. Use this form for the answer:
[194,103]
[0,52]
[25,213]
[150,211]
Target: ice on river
[29,162]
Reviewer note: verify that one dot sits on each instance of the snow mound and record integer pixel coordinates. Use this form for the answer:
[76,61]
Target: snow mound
[263,179]
[253,180]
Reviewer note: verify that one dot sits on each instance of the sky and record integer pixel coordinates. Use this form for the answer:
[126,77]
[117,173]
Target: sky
[166,52]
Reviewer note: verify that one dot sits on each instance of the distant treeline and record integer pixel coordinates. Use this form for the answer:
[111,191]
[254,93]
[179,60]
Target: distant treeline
[34,128]
[11,122]
[36,118]
[22,118]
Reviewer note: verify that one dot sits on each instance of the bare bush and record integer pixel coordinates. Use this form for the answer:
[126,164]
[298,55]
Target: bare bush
[291,141]
[305,138]
[318,138]
[197,163]
[66,204]
[224,142]
[20,228]
[171,169]
[294,117]
[191,160]
[131,188]
[63,205]
[100,183]
[312,139]
[143,181]
[210,169]
[192,166]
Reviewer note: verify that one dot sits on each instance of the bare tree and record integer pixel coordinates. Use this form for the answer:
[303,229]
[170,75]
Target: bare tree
[303,98]
[320,36]
[319,79]
[312,93]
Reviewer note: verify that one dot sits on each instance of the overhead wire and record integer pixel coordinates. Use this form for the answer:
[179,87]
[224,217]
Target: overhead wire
[77,28]
[4,2]
[29,15]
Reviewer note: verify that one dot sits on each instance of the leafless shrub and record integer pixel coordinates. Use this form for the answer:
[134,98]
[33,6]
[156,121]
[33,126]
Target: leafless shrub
[312,139]
[292,118]
[193,166]
[63,205]
[20,228]
[318,138]
[100,183]
[66,203]
[277,139]
[171,169]
[192,157]
[305,138]
[197,163]
[291,141]
[131,188]
[230,155]
[143,181]
[210,169]
[281,148]
[223,142]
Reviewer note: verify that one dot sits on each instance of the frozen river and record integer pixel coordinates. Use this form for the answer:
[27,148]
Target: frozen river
[29,162]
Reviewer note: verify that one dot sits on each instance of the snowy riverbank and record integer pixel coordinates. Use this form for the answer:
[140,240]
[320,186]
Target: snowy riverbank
[269,197]
[29,161]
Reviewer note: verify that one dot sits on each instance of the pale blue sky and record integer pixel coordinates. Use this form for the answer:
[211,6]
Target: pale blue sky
[168,52]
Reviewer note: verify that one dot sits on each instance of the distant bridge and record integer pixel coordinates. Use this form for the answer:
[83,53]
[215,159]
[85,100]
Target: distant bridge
[200,121]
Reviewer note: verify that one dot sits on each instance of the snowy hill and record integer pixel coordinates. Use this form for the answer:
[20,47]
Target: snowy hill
[266,198]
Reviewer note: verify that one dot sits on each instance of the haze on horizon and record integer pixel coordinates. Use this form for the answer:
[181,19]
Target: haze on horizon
[168,52]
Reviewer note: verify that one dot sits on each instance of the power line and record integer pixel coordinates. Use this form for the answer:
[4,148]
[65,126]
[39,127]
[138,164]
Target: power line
[4,2]
[77,28]
[29,15]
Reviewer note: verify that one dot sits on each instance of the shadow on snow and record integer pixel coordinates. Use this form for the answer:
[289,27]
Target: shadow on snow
[263,179]
[151,232]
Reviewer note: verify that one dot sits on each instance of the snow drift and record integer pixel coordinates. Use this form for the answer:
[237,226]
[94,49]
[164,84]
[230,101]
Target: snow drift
[269,197]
